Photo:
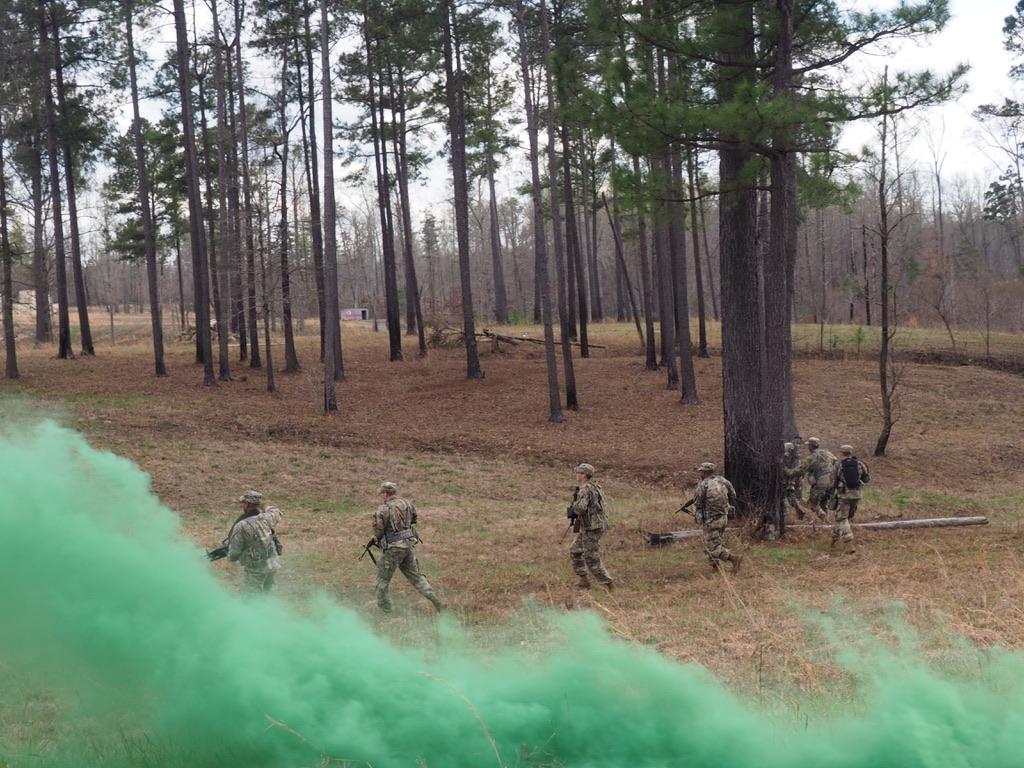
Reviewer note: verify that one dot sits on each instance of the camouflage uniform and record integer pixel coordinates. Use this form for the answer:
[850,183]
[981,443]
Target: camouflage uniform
[585,552]
[791,460]
[251,543]
[820,468]
[715,498]
[393,526]
[849,498]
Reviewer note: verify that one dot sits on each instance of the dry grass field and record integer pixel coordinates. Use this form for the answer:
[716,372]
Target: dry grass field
[491,478]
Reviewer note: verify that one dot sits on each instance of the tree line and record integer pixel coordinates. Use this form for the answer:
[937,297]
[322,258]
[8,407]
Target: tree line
[652,160]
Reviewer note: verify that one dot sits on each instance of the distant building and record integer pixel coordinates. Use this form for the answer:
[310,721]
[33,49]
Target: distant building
[355,313]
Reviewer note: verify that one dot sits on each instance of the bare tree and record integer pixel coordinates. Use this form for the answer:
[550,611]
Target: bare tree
[142,177]
[454,92]
[539,239]
[6,285]
[565,329]
[333,368]
[195,204]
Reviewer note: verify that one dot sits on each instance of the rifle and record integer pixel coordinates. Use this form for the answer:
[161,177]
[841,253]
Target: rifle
[222,551]
[685,506]
[366,550]
[218,553]
[566,531]
[570,512]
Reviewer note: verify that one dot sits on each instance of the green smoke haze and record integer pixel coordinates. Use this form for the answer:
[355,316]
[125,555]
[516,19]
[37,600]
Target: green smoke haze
[119,647]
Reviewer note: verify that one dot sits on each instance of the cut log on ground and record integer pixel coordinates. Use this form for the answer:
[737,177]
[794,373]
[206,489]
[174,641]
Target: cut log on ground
[446,336]
[885,525]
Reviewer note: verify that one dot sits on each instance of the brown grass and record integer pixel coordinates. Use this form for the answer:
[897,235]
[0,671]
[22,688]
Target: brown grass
[490,476]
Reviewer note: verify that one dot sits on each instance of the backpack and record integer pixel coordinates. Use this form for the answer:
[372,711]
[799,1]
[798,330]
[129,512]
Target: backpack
[850,474]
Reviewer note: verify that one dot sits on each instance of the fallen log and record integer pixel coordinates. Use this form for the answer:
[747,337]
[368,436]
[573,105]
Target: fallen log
[884,525]
[489,334]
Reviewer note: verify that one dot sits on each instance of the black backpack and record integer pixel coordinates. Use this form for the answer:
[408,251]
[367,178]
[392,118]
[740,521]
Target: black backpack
[850,474]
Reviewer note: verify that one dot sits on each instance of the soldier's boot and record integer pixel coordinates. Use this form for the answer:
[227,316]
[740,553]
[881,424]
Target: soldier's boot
[438,605]
[610,586]
[583,583]
[736,561]
[849,549]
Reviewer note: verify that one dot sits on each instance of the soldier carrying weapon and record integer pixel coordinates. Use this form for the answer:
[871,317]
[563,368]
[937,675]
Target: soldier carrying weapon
[588,516]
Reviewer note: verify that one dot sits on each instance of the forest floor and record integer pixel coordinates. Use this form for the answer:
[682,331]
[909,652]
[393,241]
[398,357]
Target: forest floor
[491,478]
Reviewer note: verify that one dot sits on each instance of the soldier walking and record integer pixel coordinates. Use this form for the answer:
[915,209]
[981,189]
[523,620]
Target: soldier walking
[850,480]
[253,543]
[819,466]
[394,533]
[589,514]
[714,499]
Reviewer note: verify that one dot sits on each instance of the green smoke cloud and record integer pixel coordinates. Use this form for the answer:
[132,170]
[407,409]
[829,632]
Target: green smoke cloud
[120,648]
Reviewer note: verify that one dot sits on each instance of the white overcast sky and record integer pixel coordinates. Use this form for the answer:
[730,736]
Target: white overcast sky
[973,36]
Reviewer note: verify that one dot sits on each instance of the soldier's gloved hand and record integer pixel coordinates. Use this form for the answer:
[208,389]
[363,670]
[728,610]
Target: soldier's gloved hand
[570,513]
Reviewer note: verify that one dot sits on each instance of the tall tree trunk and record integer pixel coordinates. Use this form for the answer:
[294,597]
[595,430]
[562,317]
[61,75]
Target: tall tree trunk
[780,259]
[661,178]
[613,222]
[63,320]
[539,239]
[333,367]
[291,360]
[201,266]
[238,321]
[885,384]
[457,133]
[195,203]
[384,206]
[6,285]
[212,240]
[70,183]
[589,195]
[663,268]
[255,360]
[775,259]
[750,456]
[702,348]
[271,381]
[182,316]
[620,298]
[704,238]
[572,301]
[412,284]
[572,240]
[497,268]
[313,185]
[142,175]
[220,257]
[40,277]
[571,398]
[677,241]
[650,350]
[867,280]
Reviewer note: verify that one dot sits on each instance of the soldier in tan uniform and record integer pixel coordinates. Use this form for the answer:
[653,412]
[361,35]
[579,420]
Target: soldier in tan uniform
[714,499]
[851,476]
[819,466]
[252,542]
[393,531]
[589,514]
